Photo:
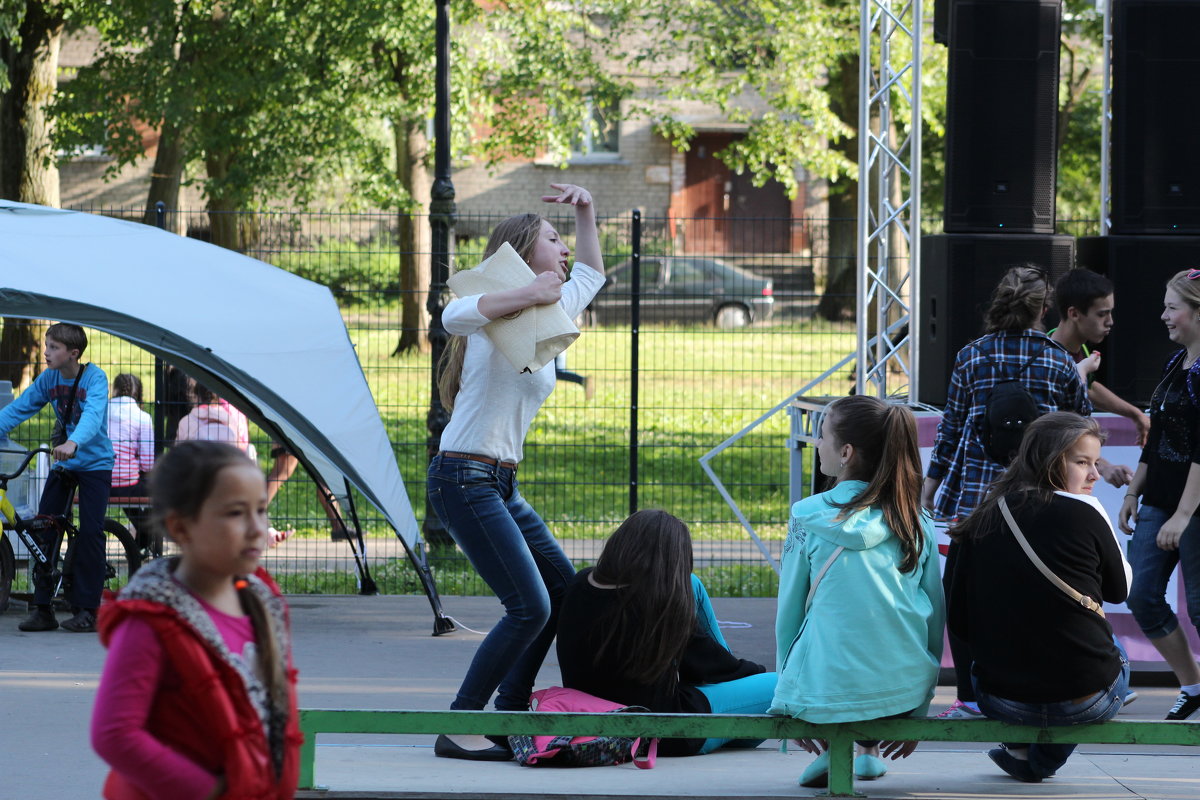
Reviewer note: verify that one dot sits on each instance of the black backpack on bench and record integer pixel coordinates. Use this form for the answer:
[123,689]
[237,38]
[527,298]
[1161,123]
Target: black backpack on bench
[1008,410]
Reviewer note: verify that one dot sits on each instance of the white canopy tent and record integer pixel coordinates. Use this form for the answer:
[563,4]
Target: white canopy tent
[273,344]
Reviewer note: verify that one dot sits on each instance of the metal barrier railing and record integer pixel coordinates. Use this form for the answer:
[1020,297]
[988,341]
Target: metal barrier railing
[841,736]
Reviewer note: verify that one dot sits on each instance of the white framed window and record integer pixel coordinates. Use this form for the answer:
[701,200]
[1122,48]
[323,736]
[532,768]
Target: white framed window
[599,134]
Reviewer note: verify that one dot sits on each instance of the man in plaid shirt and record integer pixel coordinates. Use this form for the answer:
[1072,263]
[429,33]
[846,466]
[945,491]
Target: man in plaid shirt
[958,464]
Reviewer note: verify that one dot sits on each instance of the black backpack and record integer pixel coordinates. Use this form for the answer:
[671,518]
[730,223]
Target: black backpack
[1007,411]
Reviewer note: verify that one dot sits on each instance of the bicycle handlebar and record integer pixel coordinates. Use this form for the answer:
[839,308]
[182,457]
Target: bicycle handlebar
[29,456]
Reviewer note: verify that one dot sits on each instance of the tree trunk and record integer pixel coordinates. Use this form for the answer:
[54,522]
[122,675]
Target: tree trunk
[27,169]
[231,226]
[28,173]
[415,246]
[839,299]
[166,178]
[20,351]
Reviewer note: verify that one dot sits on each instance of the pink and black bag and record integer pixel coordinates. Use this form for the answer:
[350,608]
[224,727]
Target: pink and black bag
[580,751]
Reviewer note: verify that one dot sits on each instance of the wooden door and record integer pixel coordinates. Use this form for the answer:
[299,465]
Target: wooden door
[724,212]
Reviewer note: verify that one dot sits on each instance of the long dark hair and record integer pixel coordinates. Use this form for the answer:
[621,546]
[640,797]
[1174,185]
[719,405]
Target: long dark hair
[649,559]
[179,484]
[887,457]
[1037,471]
[521,231]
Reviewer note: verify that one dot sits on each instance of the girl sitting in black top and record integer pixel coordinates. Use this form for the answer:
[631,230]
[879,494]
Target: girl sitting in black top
[638,629]
[1040,657]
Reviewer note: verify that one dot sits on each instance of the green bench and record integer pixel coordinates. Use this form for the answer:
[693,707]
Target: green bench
[730,726]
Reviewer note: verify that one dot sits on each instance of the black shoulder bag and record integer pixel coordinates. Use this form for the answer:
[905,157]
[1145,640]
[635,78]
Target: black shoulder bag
[59,435]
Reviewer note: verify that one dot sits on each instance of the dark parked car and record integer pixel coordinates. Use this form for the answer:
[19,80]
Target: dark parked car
[686,289]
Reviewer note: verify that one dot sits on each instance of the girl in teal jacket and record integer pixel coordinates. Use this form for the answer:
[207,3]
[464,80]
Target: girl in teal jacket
[859,627]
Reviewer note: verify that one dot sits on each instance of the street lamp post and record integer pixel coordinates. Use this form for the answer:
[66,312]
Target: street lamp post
[442,214]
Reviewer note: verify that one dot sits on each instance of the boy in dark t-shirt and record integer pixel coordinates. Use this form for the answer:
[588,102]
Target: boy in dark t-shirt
[1085,306]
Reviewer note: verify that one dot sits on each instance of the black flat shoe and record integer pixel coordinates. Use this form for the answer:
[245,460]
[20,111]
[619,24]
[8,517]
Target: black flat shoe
[1016,767]
[445,747]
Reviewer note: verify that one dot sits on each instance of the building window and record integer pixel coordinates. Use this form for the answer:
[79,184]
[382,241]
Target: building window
[599,135]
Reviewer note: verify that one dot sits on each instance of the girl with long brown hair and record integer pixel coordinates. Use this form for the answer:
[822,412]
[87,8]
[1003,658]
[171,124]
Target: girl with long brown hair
[638,629]
[472,483]
[1041,655]
[859,627]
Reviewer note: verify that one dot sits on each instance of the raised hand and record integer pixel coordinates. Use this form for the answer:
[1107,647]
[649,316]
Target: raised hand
[569,194]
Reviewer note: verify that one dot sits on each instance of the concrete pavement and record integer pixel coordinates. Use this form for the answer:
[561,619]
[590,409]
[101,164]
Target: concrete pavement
[377,652]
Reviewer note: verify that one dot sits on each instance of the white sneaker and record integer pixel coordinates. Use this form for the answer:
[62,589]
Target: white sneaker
[960,710]
[1130,696]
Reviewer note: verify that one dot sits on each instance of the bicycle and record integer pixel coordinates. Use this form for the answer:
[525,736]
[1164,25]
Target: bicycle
[49,538]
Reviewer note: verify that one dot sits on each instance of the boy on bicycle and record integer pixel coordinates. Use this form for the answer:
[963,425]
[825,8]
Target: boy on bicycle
[83,457]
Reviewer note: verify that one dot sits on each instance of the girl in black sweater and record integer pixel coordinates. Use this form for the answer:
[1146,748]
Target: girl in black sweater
[638,629]
[1041,657]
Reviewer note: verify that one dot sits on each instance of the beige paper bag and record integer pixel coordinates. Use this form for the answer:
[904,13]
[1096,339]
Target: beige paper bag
[529,338]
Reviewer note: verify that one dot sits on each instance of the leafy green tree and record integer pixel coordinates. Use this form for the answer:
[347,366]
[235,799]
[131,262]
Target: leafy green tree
[30,33]
[248,89]
[273,99]
[789,71]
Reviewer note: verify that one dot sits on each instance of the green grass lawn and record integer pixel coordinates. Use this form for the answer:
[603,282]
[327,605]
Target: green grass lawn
[695,387]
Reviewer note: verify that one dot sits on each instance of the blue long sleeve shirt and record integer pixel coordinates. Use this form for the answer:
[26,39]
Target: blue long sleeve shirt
[88,426]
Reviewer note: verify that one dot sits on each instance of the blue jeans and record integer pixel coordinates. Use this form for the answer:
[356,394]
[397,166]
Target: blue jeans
[1152,568]
[1045,759]
[516,554]
[749,695]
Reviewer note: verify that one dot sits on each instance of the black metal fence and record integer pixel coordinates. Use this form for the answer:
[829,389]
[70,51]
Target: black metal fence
[728,331]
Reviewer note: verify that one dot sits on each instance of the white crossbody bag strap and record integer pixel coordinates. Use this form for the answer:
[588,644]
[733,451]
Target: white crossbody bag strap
[1082,599]
[817,580]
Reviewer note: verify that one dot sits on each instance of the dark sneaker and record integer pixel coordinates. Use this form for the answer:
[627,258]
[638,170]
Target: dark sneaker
[1185,705]
[84,621]
[1016,767]
[41,618]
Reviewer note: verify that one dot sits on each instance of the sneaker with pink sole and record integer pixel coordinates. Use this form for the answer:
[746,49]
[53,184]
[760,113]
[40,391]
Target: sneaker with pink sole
[960,710]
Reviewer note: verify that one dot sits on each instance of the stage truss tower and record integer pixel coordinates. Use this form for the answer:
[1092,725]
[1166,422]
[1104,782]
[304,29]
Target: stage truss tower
[889,193]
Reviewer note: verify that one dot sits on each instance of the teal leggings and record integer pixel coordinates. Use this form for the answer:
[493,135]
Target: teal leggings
[750,695]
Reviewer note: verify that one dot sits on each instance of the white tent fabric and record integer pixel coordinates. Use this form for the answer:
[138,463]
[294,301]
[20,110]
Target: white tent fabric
[272,343]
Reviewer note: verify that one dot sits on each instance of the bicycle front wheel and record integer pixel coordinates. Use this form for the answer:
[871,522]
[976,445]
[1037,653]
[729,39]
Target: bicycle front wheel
[121,555]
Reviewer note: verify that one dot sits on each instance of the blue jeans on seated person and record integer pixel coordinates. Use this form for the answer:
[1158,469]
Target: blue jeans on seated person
[1152,568]
[749,695]
[511,548]
[1045,759]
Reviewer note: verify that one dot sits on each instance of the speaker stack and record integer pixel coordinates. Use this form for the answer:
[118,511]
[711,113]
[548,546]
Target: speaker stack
[1155,222]
[1001,167]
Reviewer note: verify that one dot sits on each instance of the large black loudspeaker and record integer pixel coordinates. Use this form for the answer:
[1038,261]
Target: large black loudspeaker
[958,275]
[1001,116]
[1139,267]
[1156,112]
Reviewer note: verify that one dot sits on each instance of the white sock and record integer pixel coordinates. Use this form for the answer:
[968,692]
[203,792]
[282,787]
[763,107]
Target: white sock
[1192,689]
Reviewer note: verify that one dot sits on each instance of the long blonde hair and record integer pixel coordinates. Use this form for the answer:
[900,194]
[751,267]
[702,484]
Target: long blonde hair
[521,231]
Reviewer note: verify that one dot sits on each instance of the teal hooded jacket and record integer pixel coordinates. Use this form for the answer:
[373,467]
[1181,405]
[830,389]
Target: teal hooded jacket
[870,646]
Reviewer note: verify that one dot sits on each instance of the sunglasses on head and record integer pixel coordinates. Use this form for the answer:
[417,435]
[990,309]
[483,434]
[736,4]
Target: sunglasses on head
[1193,274]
